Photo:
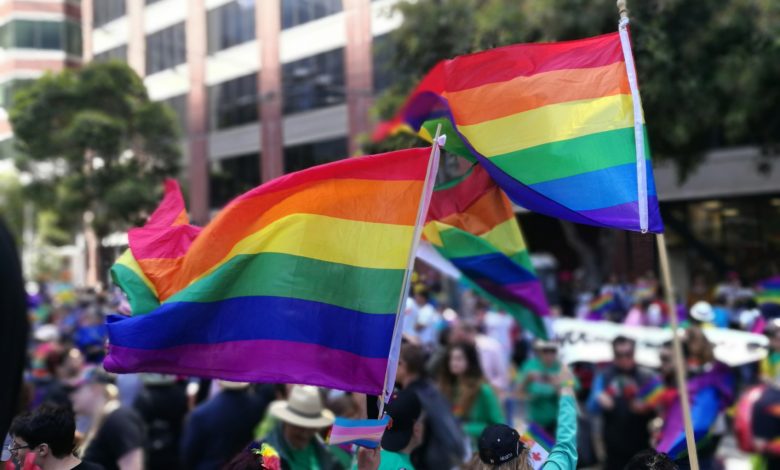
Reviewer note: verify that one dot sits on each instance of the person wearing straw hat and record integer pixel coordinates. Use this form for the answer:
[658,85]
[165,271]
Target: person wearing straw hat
[301,416]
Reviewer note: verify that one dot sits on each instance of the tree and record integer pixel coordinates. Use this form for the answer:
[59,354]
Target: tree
[707,69]
[98,148]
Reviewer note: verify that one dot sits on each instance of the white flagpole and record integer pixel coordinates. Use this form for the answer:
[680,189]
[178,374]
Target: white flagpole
[422,211]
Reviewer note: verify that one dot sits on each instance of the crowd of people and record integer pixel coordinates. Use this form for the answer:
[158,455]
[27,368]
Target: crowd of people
[467,386]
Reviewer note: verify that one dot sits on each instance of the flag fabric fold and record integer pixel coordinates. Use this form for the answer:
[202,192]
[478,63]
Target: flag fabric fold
[296,281]
[553,124]
[471,223]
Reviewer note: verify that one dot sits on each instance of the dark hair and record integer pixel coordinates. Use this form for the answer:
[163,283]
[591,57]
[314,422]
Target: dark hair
[623,340]
[469,384]
[49,424]
[650,460]
[414,357]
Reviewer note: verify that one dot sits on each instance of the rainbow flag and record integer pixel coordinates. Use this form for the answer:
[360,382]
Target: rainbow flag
[651,392]
[296,281]
[769,291]
[559,126]
[145,268]
[537,434]
[363,432]
[471,223]
[710,393]
[601,305]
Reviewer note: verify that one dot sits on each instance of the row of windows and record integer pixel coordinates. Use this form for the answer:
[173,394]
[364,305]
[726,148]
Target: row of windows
[298,12]
[230,25]
[166,48]
[105,11]
[50,35]
[314,82]
[233,102]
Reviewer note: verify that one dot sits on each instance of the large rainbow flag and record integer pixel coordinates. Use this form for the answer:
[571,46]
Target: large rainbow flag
[559,126]
[143,270]
[471,223]
[296,281]
[710,393]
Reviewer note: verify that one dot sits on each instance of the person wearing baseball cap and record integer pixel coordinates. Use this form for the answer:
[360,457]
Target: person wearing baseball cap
[404,434]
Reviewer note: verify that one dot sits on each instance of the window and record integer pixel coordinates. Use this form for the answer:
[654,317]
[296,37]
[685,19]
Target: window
[117,53]
[314,82]
[233,102]
[179,105]
[105,11]
[166,48]
[232,177]
[300,157]
[50,35]
[384,72]
[231,24]
[297,12]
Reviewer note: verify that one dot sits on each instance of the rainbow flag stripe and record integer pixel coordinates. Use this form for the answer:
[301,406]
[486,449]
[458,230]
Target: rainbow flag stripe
[363,432]
[471,223]
[769,291]
[651,392]
[143,270]
[552,123]
[538,435]
[296,281]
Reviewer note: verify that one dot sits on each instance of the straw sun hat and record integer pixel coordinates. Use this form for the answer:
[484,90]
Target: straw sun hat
[303,409]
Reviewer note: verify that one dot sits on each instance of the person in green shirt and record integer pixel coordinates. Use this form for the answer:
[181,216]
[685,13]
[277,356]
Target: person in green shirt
[295,436]
[539,380]
[500,447]
[462,382]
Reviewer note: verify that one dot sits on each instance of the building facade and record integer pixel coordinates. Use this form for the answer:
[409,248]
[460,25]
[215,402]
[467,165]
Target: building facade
[36,36]
[261,87]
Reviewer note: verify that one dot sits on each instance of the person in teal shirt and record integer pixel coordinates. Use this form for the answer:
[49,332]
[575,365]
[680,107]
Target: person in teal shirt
[500,447]
[539,380]
[403,435]
[462,382]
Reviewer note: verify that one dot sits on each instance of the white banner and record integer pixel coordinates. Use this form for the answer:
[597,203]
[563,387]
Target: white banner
[591,341]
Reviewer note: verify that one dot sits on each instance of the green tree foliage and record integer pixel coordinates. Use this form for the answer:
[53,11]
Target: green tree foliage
[707,68]
[95,144]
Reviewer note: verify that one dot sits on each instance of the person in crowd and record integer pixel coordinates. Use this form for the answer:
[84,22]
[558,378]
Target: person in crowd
[499,325]
[722,312]
[49,434]
[295,437]
[404,435]
[492,360]
[500,447]
[116,436]
[64,365]
[427,319]
[765,424]
[646,312]
[443,444]
[461,381]
[221,426]
[702,315]
[615,395]
[539,382]
[650,459]
[162,403]
[770,365]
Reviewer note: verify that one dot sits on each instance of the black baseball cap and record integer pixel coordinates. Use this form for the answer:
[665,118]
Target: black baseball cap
[499,444]
[404,410]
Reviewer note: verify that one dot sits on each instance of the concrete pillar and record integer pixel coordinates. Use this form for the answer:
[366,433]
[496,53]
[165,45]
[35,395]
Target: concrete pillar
[197,112]
[359,70]
[268,21]
[136,41]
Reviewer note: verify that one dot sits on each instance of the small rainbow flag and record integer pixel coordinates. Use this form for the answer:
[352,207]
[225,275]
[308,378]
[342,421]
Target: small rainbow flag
[651,392]
[601,305]
[363,432]
[769,291]
[471,223]
[559,127]
[537,434]
[296,281]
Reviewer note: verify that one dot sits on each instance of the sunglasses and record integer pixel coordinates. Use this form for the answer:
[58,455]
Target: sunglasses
[14,449]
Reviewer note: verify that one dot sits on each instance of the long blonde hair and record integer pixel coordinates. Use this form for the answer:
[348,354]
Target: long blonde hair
[522,462]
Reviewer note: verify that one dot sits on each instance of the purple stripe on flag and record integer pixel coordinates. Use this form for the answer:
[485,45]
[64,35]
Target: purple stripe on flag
[528,294]
[264,361]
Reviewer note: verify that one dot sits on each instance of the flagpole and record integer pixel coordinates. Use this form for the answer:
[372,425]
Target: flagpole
[679,364]
[395,347]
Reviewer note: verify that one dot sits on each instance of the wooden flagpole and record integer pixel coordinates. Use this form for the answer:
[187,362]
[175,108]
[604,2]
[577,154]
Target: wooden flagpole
[679,362]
